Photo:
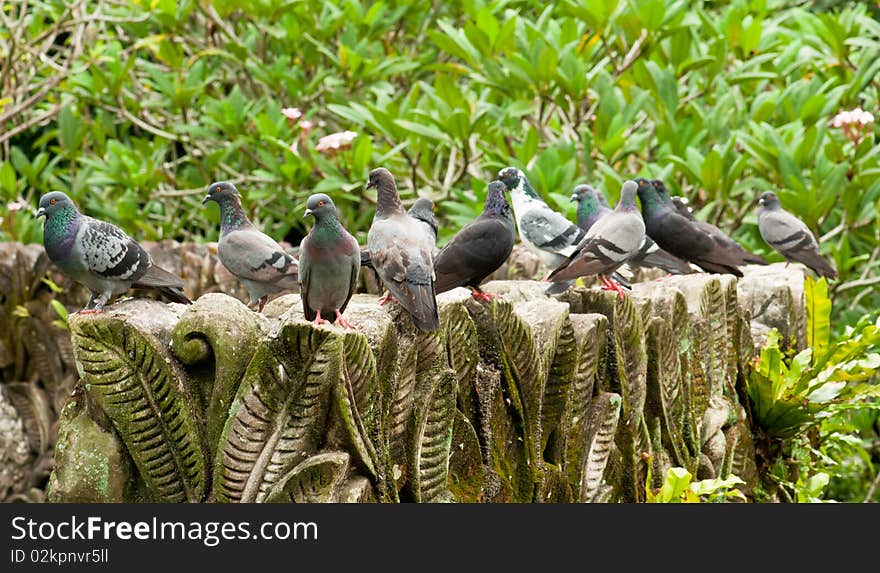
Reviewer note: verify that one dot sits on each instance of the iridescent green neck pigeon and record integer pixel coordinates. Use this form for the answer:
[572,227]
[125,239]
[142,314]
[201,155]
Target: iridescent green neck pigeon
[100,255]
[609,243]
[250,255]
[746,256]
[790,236]
[592,206]
[479,248]
[400,252]
[329,264]
[684,238]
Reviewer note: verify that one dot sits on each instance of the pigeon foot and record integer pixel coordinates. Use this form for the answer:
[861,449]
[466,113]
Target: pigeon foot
[612,286]
[342,322]
[318,320]
[485,296]
[386,298]
[91,311]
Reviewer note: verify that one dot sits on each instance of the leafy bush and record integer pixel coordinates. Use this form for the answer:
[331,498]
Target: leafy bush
[810,408]
[134,108]
[677,487]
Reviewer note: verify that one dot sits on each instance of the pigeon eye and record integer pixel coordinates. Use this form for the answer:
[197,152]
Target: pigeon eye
[320,203]
[52,201]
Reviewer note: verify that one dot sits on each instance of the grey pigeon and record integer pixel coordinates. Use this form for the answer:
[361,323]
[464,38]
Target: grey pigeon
[790,236]
[250,255]
[423,210]
[479,248]
[99,255]
[329,264]
[548,234]
[609,243]
[400,252]
[592,206]
[684,238]
[720,236]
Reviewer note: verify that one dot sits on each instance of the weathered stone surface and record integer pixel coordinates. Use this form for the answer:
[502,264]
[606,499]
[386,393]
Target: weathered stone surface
[773,295]
[92,464]
[527,398]
[15,451]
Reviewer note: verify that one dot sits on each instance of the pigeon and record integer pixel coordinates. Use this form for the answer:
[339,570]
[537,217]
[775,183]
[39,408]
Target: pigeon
[682,237]
[100,255]
[329,264]
[423,210]
[747,256]
[790,236]
[262,266]
[609,243]
[479,248]
[400,253]
[542,230]
[592,206]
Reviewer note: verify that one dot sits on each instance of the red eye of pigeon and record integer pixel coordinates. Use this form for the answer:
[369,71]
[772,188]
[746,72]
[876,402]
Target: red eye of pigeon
[320,203]
[52,201]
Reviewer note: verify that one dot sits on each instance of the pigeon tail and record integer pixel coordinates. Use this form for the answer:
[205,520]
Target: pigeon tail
[168,284]
[174,294]
[558,287]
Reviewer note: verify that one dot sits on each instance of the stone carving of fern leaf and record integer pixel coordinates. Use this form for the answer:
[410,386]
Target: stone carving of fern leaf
[133,378]
[279,413]
[601,428]
[434,413]
[316,479]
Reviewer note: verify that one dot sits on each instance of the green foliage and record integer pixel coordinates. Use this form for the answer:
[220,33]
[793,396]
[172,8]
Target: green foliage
[678,488]
[790,394]
[148,102]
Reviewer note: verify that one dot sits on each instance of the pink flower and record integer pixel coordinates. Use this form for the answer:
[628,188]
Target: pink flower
[15,206]
[853,123]
[335,141]
[306,125]
[292,113]
[852,117]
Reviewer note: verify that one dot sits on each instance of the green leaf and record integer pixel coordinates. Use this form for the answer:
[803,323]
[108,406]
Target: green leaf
[818,314]
[69,129]
[7,179]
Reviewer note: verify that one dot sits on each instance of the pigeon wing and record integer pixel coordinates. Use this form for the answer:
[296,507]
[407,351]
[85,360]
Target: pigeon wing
[474,253]
[255,256]
[402,258]
[549,230]
[111,254]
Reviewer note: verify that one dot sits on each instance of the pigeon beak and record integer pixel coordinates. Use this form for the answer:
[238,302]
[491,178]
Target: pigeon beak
[41,212]
[370,185]
[574,197]
[307,213]
[206,199]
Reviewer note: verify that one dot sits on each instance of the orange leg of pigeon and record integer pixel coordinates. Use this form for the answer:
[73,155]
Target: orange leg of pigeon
[92,311]
[318,320]
[342,322]
[386,298]
[482,295]
[611,285]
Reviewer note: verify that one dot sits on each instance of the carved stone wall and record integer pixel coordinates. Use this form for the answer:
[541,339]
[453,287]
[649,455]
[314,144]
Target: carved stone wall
[525,399]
